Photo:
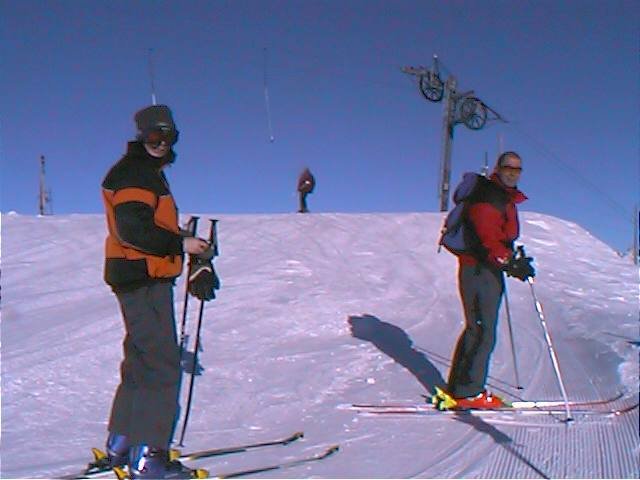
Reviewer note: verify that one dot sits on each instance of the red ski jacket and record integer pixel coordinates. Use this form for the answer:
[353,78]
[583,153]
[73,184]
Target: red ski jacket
[496,227]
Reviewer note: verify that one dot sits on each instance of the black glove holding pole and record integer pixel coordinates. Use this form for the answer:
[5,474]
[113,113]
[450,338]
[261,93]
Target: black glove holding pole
[203,280]
[519,266]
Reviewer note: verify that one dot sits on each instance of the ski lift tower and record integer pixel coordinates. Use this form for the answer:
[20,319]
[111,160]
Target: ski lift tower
[458,108]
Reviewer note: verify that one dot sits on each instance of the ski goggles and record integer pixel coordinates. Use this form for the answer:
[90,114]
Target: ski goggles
[510,169]
[160,135]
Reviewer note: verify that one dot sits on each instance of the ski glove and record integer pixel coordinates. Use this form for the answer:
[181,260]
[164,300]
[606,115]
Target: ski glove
[203,280]
[520,268]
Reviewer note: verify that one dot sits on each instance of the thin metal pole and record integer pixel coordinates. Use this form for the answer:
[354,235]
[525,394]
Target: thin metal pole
[636,235]
[485,167]
[513,347]
[42,195]
[153,87]
[266,99]
[552,352]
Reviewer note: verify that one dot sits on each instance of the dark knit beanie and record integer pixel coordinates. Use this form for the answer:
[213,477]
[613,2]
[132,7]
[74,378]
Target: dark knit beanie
[155,116]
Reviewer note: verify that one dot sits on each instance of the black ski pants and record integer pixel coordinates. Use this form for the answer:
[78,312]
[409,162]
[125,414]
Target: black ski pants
[481,290]
[303,202]
[146,401]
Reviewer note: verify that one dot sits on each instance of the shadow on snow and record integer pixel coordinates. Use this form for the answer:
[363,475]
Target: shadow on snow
[394,342]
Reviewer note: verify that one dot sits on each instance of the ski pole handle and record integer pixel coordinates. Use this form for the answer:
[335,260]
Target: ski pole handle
[521,251]
[192,225]
[213,236]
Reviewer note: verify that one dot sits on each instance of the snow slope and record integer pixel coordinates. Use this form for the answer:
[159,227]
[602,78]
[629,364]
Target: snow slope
[316,311]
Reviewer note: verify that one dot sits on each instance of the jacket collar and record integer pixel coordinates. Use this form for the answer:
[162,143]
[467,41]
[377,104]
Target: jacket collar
[136,149]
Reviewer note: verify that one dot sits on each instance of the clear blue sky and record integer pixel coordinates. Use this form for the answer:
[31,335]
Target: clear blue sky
[565,74]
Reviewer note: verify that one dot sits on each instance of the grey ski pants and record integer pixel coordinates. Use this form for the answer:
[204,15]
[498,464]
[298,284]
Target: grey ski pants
[146,401]
[481,290]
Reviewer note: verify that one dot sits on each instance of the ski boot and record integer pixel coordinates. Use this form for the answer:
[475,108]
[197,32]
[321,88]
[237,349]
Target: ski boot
[116,454]
[117,450]
[146,462]
[482,401]
[442,400]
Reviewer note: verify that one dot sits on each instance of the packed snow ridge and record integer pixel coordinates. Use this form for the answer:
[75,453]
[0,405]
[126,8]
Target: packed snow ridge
[315,311]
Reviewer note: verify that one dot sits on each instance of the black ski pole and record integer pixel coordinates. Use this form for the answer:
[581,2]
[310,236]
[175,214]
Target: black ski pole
[193,229]
[213,241]
[513,347]
[190,231]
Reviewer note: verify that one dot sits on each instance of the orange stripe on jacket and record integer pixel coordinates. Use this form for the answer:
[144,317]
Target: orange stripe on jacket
[133,194]
[165,216]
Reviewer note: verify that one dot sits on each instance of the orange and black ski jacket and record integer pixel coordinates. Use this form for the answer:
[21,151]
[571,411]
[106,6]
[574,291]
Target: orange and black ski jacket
[144,244]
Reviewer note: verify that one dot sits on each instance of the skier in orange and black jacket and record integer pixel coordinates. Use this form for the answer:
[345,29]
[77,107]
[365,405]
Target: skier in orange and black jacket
[144,255]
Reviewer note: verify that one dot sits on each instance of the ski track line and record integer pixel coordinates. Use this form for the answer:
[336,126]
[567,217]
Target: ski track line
[549,452]
[442,457]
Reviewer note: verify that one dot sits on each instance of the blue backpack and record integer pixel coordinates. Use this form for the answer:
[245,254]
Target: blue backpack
[454,236]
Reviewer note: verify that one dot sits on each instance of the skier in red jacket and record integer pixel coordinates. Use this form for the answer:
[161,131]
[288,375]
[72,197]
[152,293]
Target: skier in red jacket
[306,184]
[492,217]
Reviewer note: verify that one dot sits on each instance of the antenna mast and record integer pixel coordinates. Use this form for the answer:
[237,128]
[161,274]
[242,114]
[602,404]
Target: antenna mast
[636,235]
[485,168]
[153,87]
[44,195]
[266,98]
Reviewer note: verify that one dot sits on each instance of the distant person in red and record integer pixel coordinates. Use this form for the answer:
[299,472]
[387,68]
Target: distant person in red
[492,216]
[306,184]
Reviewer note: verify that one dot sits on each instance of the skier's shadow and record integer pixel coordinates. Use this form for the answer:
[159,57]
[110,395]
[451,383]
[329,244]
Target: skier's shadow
[499,438]
[394,342]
